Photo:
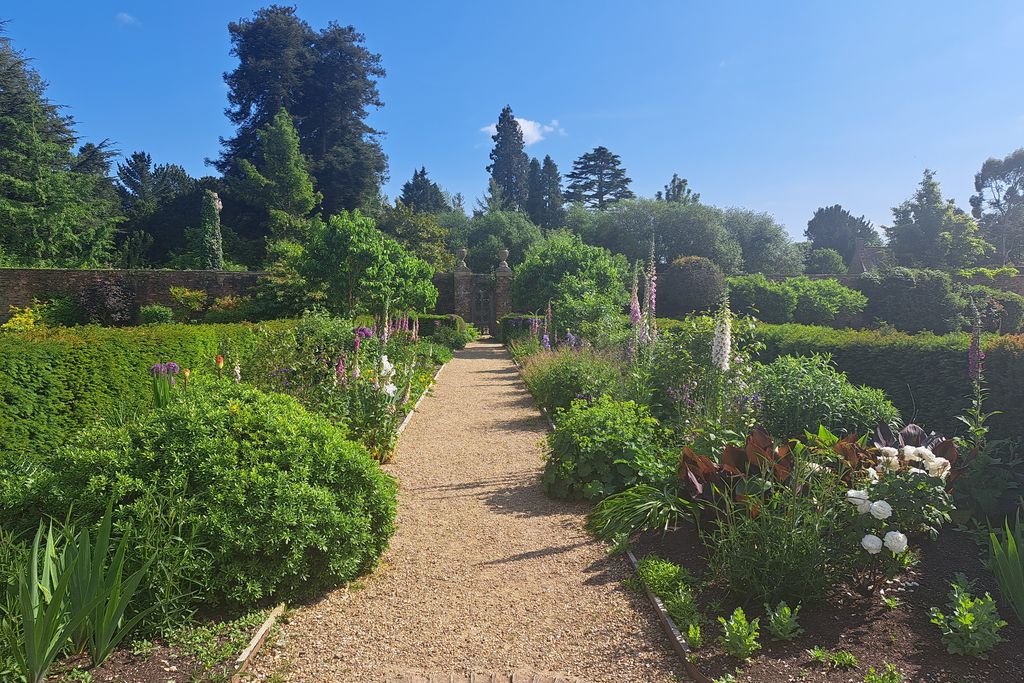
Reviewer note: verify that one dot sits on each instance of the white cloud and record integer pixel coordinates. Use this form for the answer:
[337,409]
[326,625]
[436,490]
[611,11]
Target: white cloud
[126,19]
[533,131]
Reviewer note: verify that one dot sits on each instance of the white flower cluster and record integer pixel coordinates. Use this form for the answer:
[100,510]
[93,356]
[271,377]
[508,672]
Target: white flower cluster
[895,541]
[387,371]
[721,345]
[919,459]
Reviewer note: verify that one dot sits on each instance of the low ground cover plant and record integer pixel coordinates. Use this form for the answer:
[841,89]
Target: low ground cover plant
[970,625]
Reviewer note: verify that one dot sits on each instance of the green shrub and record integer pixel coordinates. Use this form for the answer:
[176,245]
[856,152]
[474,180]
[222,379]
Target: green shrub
[764,299]
[739,636]
[691,284]
[515,326]
[800,393]
[281,501]
[231,309]
[824,302]
[154,314]
[558,378]
[824,261]
[1001,311]
[972,626]
[1007,562]
[455,338]
[782,621]
[604,447]
[912,300]
[60,311]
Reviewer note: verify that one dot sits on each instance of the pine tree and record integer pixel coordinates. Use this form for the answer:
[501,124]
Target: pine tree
[422,194]
[833,227]
[598,179]
[551,180]
[327,81]
[678,191]
[509,164]
[535,204]
[278,182]
[56,207]
[212,256]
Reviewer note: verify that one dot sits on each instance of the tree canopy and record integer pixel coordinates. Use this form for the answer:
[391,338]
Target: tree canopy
[423,194]
[491,232]
[598,180]
[509,165]
[999,205]
[678,190]
[833,227]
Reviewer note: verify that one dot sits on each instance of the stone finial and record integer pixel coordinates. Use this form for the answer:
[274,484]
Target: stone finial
[461,255]
[503,264]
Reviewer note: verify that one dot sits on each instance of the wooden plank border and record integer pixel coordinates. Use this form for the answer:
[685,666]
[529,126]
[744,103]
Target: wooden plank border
[243,660]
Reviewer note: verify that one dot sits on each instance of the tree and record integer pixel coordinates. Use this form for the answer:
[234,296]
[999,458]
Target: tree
[278,182]
[678,191]
[824,262]
[677,230]
[422,194]
[358,269]
[691,283]
[764,243]
[999,205]
[327,81]
[509,164]
[490,233]
[930,232]
[544,204]
[143,187]
[56,208]
[419,233]
[833,227]
[211,256]
[598,180]
[586,284]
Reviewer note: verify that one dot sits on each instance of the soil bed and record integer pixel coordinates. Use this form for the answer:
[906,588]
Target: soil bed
[858,623]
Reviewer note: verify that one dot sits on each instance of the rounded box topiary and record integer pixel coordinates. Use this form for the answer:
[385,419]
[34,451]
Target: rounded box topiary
[283,503]
[690,284]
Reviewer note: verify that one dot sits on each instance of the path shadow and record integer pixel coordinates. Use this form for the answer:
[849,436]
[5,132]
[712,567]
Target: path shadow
[534,554]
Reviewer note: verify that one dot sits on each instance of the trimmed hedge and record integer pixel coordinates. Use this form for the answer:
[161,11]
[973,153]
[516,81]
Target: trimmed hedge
[515,326]
[924,375]
[54,381]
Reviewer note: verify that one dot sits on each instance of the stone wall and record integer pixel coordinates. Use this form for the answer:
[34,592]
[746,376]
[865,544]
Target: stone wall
[19,286]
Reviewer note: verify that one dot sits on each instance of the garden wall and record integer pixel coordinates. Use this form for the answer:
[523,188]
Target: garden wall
[18,286]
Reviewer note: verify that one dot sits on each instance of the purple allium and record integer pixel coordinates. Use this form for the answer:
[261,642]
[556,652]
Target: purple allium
[364,332]
[157,369]
[172,368]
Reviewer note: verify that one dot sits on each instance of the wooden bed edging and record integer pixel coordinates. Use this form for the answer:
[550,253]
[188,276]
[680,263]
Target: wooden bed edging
[679,643]
[242,663]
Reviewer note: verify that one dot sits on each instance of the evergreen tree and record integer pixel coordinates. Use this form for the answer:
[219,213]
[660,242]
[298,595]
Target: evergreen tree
[212,256]
[598,180]
[143,187]
[545,202]
[419,233]
[999,205]
[278,183]
[327,81]
[833,227]
[509,164]
[56,207]
[678,191]
[931,232]
[422,194]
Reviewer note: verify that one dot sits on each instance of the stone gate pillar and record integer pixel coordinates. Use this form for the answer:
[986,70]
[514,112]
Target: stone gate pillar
[502,288]
[463,288]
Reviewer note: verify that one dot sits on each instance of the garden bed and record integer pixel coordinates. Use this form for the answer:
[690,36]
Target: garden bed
[858,623]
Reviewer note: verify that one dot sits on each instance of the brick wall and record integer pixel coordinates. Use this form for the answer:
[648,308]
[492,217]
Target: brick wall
[18,286]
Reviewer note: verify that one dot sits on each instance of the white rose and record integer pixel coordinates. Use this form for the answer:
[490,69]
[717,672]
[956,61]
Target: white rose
[896,542]
[917,470]
[924,454]
[871,543]
[888,463]
[939,467]
[859,499]
[910,454]
[872,475]
[881,510]
[889,452]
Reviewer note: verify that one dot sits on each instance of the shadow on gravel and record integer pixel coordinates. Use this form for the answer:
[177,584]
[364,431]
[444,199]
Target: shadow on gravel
[534,554]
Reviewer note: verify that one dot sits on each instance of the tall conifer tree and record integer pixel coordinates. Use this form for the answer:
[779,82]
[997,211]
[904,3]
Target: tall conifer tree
[509,165]
[598,180]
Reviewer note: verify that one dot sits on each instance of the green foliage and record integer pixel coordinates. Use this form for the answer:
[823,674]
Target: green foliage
[771,301]
[509,163]
[739,637]
[602,447]
[423,195]
[764,243]
[1007,564]
[189,301]
[833,659]
[357,269]
[419,233]
[912,300]
[972,626]
[890,675]
[999,204]
[59,311]
[1001,311]
[155,314]
[691,284]
[662,577]
[455,337]
[824,262]
[835,228]
[558,378]
[598,180]
[782,621]
[678,190]
[638,508]
[211,256]
[920,503]
[799,394]
[823,302]
[491,232]
[981,272]
[284,504]
[931,232]
[544,188]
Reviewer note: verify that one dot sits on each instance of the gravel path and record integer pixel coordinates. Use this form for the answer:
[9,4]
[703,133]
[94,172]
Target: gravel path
[485,573]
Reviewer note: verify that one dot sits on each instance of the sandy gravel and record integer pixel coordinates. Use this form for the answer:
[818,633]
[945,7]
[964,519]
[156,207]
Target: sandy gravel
[485,573]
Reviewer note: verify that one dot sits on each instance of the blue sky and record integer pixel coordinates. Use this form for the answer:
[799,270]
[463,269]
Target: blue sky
[780,107]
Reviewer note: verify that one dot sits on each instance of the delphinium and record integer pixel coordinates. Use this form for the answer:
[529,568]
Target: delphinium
[163,375]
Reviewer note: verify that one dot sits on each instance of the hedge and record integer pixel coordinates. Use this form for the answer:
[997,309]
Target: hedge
[515,325]
[54,381]
[924,375]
